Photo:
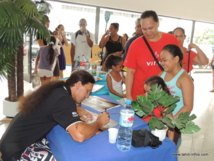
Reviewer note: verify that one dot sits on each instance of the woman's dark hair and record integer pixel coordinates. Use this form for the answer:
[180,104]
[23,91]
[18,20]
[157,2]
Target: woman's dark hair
[116,25]
[127,37]
[51,50]
[148,14]
[32,101]
[111,60]
[175,51]
[58,27]
[179,28]
[157,80]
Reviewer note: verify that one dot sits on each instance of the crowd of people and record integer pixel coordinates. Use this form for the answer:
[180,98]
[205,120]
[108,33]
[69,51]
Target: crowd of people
[148,53]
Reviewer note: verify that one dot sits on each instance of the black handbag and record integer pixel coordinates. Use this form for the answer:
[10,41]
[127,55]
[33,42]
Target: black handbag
[143,138]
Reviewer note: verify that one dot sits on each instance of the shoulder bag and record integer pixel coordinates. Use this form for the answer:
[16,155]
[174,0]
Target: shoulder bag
[151,51]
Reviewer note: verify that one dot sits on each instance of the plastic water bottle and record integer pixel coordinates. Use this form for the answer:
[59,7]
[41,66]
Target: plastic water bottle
[87,63]
[35,80]
[124,137]
[82,63]
[77,63]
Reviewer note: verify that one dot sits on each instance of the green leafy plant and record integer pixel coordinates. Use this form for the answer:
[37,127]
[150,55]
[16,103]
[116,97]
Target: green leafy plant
[144,106]
[17,17]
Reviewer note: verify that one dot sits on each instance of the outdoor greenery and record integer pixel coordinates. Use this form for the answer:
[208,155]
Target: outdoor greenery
[17,17]
[145,105]
[205,36]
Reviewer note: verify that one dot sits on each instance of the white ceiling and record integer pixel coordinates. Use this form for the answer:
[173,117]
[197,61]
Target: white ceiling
[200,10]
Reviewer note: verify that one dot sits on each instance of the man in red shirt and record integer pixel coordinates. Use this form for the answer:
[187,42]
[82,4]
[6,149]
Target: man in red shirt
[139,61]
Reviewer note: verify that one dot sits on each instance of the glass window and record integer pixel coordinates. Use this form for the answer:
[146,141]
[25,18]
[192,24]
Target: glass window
[204,37]
[69,15]
[125,19]
[169,24]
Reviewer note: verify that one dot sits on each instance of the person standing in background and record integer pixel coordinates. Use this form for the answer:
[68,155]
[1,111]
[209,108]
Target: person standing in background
[81,42]
[62,60]
[42,41]
[139,61]
[125,36]
[190,57]
[45,60]
[138,33]
[113,42]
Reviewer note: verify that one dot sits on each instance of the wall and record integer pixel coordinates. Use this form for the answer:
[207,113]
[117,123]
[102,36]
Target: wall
[200,10]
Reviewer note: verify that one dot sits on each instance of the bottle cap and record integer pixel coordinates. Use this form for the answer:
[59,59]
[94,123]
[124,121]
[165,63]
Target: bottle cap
[129,102]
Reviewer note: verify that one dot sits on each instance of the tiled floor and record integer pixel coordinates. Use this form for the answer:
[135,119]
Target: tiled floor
[196,147]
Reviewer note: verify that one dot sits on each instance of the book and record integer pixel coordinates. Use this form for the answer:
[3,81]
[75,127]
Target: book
[97,87]
[111,123]
[99,104]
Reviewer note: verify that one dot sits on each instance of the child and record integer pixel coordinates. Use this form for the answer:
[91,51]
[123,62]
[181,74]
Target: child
[45,60]
[157,111]
[114,64]
[178,82]
[147,86]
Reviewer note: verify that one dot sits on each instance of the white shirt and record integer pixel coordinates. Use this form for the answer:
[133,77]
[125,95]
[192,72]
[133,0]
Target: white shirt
[81,45]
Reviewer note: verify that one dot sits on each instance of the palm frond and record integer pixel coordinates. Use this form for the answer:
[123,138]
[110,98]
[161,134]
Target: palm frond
[27,7]
[10,15]
[34,26]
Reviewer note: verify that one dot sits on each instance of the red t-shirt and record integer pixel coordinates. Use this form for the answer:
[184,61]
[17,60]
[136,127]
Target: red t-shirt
[140,59]
[185,60]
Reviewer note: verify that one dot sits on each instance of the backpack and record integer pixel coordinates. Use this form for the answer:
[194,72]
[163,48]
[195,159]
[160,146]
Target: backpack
[79,32]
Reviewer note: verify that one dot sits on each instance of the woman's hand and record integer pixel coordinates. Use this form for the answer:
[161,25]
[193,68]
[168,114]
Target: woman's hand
[192,45]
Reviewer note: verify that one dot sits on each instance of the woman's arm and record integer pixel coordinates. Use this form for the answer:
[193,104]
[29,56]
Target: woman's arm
[211,60]
[185,83]
[129,83]
[123,78]
[104,40]
[201,58]
[65,39]
[36,63]
[110,86]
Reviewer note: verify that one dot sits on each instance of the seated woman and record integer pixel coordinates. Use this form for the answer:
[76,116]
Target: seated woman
[113,42]
[178,82]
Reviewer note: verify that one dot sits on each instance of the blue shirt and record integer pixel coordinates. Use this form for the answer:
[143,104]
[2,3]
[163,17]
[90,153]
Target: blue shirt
[174,90]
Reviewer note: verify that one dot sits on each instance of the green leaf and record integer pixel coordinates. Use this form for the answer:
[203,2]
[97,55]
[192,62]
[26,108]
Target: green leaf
[154,123]
[190,128]
[156,97]
[167,120]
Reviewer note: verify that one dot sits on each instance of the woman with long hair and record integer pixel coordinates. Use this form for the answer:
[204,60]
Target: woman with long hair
[62,60]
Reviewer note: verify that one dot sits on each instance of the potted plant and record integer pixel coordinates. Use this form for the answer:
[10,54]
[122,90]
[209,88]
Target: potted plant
[157,98]
[18,17]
